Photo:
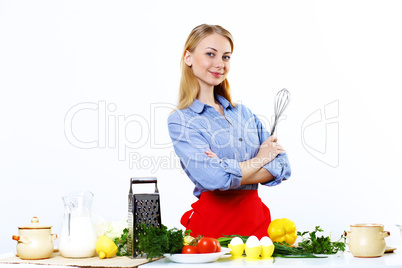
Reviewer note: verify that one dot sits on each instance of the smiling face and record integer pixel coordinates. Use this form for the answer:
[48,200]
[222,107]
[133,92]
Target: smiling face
[210,60]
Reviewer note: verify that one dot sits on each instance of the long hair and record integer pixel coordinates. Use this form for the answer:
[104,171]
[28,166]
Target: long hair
[189,86]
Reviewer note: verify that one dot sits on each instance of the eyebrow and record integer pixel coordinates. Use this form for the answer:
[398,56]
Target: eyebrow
[214,49]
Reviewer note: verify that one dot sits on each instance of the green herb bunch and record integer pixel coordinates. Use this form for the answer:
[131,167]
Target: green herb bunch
[320,244]
[122,243]
[155,242]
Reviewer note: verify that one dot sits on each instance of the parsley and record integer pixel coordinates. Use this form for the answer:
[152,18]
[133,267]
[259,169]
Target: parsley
[122,243]
[320,244]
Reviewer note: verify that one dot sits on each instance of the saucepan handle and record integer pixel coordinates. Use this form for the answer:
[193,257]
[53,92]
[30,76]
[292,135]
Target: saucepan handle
[385,233]
[21,239]
[53,237]
[348,234]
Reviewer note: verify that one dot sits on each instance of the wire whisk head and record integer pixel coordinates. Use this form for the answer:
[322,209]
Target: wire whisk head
[281,101]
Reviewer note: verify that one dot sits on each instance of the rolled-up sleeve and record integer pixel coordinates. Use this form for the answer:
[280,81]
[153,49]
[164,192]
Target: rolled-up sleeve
[280,166]
[205,172]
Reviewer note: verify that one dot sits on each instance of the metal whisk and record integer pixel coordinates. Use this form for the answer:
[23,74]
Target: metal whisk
[282,100]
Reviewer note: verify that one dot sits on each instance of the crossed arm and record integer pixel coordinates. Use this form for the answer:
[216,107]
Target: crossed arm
[251,169]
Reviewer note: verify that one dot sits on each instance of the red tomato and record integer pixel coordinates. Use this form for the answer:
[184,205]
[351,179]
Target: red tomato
[217,244]
[206,245]
[189,250]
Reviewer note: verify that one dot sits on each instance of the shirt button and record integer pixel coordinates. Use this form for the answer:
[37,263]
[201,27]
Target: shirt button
[240,139]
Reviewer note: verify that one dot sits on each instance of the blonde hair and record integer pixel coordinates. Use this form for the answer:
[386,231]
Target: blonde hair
[189,86]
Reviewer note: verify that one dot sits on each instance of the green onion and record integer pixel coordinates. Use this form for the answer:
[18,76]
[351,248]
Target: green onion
[281,250]
[225,240]
[286,251]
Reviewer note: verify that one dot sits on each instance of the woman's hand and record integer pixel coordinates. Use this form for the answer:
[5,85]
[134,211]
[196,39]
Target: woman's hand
[210,153]
[269,149]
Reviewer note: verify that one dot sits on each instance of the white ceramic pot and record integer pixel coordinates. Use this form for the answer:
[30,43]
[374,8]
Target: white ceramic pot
[35,241]
[367,240]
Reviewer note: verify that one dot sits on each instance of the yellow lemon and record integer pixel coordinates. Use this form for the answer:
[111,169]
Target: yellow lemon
[105,247]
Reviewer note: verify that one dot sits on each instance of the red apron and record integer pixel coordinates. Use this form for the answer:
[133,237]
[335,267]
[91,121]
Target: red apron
[232,212]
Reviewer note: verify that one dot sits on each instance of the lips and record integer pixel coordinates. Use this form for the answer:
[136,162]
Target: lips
[216,74]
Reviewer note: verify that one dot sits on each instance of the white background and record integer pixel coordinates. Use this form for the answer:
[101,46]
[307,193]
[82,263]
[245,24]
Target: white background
[122,58]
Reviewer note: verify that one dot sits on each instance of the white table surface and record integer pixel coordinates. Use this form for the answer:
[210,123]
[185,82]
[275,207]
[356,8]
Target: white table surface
[344,259]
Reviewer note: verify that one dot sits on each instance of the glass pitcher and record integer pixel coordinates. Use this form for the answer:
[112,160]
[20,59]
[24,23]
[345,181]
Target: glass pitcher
[78,236]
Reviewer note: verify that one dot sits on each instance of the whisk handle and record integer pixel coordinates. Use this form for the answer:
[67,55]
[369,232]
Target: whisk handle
[272,132]
[273,128]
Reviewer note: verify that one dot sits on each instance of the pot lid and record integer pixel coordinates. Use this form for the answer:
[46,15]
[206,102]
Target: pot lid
[35,225]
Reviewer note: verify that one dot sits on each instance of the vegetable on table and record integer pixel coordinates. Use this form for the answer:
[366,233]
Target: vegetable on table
[206,245]
[287,251]
[217,245]
[320,245]
[305,249]
[202,245]
[155,242]
[280,249]
[282,231]
[188,239]
[187,249]
[122,243]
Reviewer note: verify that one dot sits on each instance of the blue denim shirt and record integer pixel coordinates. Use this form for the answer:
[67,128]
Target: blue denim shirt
[234,138]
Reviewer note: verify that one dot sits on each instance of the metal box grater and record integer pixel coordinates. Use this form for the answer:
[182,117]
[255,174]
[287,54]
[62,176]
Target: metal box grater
[142,209]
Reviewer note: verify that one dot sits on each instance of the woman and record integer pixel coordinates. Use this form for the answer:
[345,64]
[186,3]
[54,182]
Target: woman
[223,147]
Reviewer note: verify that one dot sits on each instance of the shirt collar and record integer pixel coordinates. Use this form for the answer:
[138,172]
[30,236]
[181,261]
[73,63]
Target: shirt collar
[225,103]
[197,106]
